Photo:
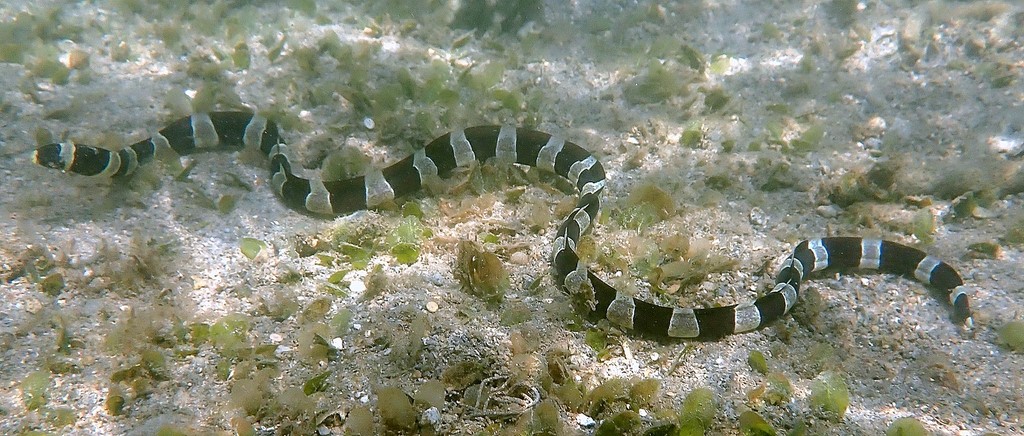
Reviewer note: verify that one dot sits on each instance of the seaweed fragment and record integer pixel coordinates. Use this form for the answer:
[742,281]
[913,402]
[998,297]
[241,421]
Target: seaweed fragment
[830,395]
[1011,335]
[657,84]
[35,389]
[752,424]
[757,362]
[359,422]
[505,16]
[396,409]
[697,412]
[906,426]
[481,273]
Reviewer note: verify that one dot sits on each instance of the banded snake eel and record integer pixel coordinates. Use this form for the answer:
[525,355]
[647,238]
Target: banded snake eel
[234,129]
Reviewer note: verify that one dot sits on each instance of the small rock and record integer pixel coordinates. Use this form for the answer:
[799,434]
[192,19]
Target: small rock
[584,421]
[758,217]
[33,306]
[431,417]
[828,211]
[357,287]
[519,258]
[1006,144]
[873,128]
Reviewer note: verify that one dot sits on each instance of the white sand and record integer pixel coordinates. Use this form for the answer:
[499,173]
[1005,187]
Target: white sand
[892,341]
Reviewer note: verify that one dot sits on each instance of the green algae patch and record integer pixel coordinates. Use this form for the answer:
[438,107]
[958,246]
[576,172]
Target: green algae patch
[698,412]
[644,392]
[757,362]
[230,334]
[830,395]
[431,394]
[602,398]
[906,427]
[546,419]
[251,247]
[52,284]
[1011,335]
[625,422]
[35,389]
[655,85]
[481,273]
[598,341]
[396,410]
[114,404]
[405,253]
[316,383]
[778,389]
[752,424]
[359,422]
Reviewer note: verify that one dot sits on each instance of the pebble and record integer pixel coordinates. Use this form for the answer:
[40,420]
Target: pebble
[584,421]
[431,416]
[828,211]
[435,279]
[432,306]
[357,287]
[1006,144]
[873,128]
[758,217]
[519,258]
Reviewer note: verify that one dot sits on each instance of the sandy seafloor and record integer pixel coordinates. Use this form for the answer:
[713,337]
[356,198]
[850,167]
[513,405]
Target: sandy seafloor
[934,86]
